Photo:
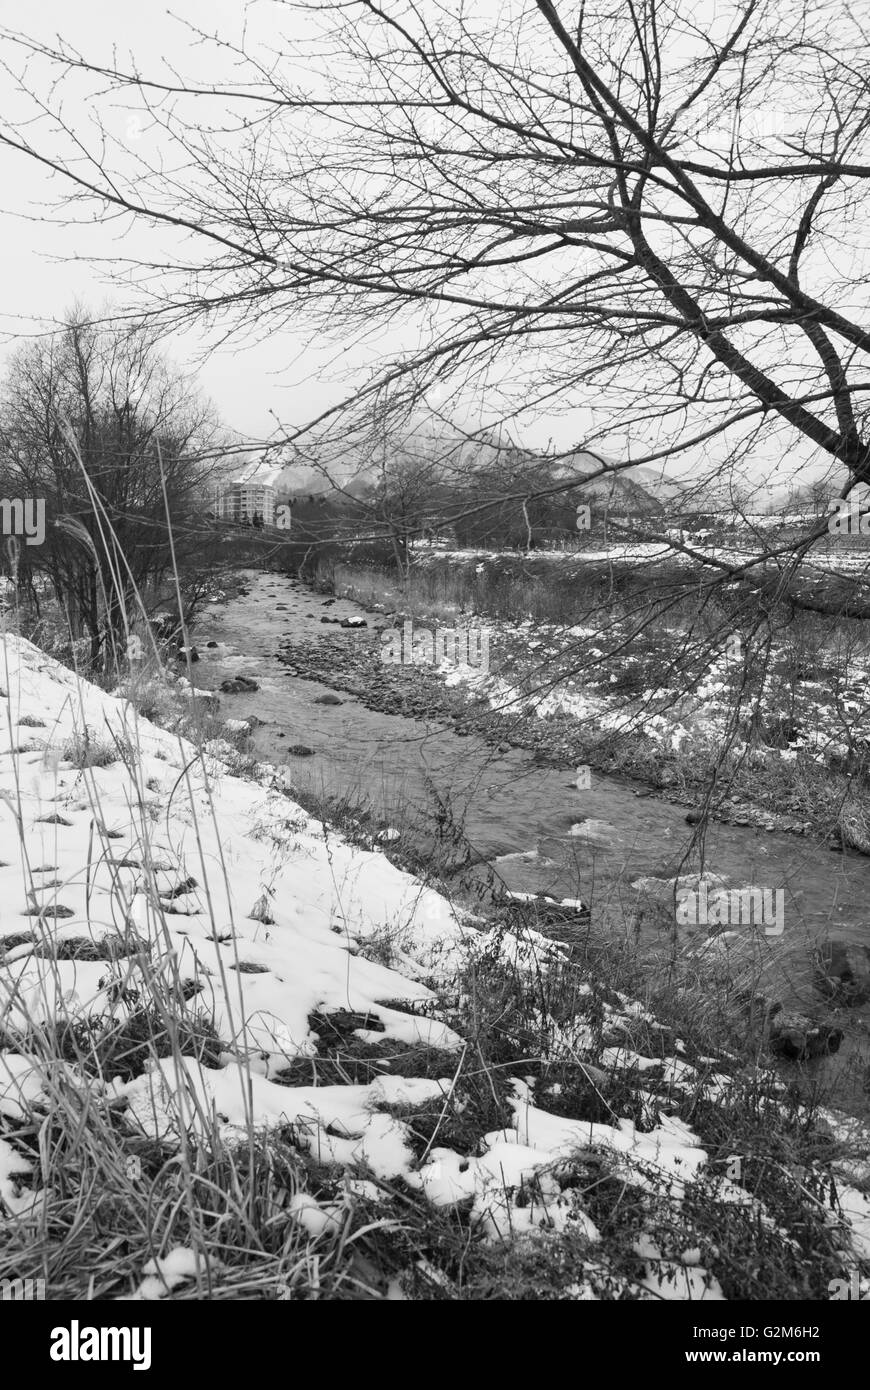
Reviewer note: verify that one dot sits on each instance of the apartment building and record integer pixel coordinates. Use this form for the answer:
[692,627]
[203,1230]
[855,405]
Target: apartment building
[244,500]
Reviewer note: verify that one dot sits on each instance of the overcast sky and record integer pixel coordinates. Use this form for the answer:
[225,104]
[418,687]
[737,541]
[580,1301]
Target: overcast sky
[46,267]
[40,275]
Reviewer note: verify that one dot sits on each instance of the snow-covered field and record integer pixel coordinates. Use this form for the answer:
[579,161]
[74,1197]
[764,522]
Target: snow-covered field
[161,866]
[842,560]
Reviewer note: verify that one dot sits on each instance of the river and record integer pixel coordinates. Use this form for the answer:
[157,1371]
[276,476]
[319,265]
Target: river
[517,814]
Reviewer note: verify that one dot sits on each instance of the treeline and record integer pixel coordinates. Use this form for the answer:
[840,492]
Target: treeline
[107,455]
[507,499]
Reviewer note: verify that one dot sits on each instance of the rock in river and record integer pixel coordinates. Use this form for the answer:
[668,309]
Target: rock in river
[799,1038]
[239,685]
[598,833]
[843,971]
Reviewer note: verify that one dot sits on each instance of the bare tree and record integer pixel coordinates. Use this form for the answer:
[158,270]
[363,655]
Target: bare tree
[651,209]
[649,218]
[118,450]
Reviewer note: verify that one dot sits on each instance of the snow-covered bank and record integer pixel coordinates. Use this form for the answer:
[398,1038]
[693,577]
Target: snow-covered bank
[236,888]
[653,696]
[648,714]
[137,871]
[680,548]
[547,662]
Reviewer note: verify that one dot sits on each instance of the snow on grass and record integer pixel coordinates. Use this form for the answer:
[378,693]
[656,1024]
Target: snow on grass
[20,1084]
[688,718]
[344,1125]
[670,1150]
[161,876]
[15,1195]
[683,1280]
[181,877]
[491,1181]
[163,1274]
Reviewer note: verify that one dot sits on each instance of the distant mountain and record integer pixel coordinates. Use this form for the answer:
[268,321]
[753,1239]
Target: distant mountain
[658,485]
[637,488]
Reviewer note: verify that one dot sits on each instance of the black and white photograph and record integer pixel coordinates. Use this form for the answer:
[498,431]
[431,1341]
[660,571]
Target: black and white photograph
[435,667]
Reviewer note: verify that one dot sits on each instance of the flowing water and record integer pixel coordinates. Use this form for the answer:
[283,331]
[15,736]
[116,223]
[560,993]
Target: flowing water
[540,831]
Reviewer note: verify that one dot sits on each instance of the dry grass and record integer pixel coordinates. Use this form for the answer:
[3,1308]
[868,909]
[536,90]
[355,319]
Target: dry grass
[85,749]
[110,1198]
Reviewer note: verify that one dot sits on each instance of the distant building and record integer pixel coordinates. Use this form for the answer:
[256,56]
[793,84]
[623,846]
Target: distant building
[246,501]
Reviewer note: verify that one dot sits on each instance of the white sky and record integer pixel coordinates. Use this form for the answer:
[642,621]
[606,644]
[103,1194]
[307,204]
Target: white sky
[44,268]
[40,276]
